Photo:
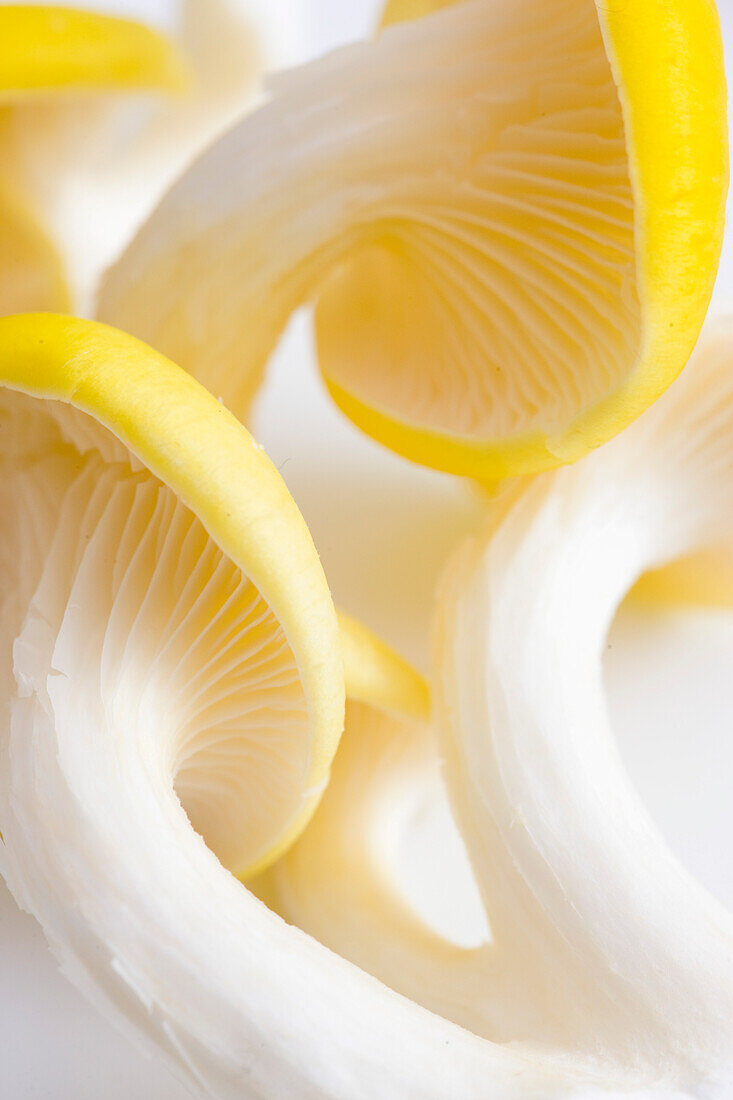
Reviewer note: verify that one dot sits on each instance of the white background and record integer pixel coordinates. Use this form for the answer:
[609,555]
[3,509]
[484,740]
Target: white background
[371,515]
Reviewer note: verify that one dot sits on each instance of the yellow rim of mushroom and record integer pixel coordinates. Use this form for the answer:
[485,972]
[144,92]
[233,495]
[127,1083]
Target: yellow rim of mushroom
[193,445]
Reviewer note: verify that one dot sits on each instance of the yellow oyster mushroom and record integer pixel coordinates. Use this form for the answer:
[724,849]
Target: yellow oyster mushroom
[91,161]
[58,51]
[508,216]
[158,602]
[170,658]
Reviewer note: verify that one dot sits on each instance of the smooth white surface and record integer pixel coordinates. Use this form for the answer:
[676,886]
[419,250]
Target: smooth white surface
[384,529]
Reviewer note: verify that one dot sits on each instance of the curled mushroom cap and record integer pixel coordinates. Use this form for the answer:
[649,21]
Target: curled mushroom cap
[508,216]
[58,53]
[170,649]
[173,687]
[613,948]
[150,588]
[88,141]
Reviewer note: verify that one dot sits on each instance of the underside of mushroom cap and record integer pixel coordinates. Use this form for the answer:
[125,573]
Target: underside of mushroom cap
[148,595]
[503,275]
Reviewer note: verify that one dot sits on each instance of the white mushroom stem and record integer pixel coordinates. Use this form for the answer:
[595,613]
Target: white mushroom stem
[622,953]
